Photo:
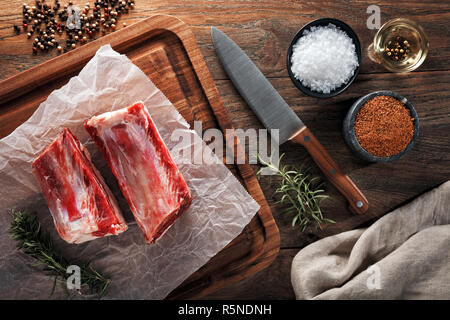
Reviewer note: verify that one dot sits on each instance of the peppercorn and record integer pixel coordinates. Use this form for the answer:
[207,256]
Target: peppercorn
[397,50]
[43,13]
[16,29]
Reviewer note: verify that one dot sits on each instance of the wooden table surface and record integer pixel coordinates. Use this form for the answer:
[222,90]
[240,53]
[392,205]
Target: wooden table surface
[264,30]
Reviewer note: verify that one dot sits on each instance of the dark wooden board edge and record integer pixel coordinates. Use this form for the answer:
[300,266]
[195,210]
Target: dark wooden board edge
[65,64]
[271,246]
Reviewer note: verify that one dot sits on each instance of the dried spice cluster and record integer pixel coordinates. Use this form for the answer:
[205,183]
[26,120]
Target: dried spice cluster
[384,126]
[79,26]
[398,50]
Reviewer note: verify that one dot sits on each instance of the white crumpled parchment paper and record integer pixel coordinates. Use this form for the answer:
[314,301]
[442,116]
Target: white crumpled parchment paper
[220,210]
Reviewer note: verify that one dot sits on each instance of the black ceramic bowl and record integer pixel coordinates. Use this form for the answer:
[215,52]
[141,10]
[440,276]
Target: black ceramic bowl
[324,22]
[349,133]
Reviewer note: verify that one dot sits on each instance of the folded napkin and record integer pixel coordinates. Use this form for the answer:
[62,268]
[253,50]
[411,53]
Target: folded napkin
[404,255]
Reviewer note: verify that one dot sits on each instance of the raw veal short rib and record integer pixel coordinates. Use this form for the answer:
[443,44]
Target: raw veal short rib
[82,206]
[148,177]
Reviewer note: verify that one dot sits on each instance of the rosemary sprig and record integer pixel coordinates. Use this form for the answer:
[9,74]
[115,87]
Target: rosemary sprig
[300,193]
[36,242]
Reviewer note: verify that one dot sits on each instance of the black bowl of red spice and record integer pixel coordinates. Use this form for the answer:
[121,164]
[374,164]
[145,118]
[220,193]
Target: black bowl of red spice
[381,126]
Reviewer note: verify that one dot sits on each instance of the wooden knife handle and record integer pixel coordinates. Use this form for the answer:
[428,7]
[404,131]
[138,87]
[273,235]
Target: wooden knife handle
[357,201]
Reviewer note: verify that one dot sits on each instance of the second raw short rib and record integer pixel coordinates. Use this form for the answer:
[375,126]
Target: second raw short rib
[147,175]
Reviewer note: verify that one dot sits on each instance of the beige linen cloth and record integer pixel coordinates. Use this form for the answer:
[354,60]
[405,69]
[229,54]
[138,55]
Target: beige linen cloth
[404,255]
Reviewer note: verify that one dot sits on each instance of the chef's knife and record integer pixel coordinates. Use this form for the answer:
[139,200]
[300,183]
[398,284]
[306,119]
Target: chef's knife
[275,113]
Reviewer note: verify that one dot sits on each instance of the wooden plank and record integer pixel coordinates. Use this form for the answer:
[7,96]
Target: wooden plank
[263,29]
[161,45]
[272,283]
[386,185]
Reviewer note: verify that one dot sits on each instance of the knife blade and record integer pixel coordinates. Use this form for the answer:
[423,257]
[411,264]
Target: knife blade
[275,113]
[258,93]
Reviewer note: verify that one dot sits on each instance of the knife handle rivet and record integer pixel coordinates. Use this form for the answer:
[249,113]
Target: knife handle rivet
[359,204]
[306,138]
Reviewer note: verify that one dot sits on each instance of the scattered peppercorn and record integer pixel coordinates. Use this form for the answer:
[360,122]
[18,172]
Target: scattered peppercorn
[384,126]
[47,20]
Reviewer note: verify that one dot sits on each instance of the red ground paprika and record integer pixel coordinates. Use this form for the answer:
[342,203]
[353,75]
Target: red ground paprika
[384,126]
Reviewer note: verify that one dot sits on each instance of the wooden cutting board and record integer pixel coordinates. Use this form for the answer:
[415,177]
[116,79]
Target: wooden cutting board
[164,48]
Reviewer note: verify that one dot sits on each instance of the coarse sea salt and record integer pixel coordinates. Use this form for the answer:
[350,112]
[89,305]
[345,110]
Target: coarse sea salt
[324,58]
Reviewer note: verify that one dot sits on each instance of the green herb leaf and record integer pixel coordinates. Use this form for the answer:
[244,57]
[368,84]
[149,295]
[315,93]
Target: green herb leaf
[300,193]
[36,242]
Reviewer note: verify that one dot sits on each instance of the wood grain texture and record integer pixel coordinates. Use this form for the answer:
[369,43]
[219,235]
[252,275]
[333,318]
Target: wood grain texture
[357,202]
[162,45]
[387,185]
[264,29]
[273,283]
